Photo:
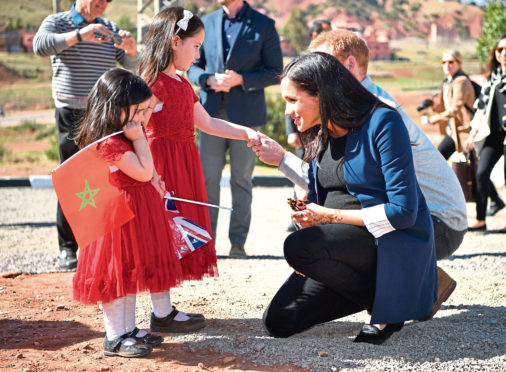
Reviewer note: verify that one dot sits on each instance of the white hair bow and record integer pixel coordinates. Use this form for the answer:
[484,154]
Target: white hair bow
[182,24]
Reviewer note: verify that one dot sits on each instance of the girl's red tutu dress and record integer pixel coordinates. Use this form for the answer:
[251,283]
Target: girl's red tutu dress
[171,137]
[137,256]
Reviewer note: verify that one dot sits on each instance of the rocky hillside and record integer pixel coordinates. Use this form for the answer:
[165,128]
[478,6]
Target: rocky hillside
[400,18]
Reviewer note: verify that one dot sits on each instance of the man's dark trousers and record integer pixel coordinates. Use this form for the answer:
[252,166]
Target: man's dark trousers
[66,122]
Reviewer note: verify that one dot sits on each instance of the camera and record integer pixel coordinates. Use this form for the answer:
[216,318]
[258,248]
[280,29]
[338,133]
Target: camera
[115,38]
[425,104]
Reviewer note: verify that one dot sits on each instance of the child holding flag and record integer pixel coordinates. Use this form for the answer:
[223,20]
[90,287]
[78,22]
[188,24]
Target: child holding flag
[172,43]
[139,255]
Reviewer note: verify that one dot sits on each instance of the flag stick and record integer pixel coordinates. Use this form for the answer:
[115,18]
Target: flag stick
[169,196]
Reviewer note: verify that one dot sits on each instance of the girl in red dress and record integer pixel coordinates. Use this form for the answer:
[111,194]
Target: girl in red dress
[139,255]
[172,43]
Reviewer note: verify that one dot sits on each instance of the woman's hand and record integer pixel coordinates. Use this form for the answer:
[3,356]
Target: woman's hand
[315,214]
[469,144]
[133,131]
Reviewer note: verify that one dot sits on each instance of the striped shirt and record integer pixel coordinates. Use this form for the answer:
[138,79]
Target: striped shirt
[76,69]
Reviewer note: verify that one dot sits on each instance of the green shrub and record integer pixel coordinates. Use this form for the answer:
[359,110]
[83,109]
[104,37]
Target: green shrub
[275,127]
[53,152]
[4,151]
[27,126]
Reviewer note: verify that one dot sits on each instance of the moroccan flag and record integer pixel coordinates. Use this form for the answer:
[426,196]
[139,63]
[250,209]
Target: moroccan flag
[93,207]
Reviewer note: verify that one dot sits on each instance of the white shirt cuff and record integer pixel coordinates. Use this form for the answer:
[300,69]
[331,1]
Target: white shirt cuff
[376,221]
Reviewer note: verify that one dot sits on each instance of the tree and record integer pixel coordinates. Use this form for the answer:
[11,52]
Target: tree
[192,7]
[295,30]
[494,26]
[125,23]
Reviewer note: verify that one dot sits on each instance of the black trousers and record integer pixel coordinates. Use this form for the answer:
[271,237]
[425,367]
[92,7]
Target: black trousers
[66,122]
[490,153]
[446,239]
[447,148]
[339,262]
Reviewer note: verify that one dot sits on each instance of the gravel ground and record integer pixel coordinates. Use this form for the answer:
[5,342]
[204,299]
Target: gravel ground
[467,334]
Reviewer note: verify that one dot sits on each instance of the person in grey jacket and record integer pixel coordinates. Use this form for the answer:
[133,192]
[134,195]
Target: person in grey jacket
[82,46]
[437,181]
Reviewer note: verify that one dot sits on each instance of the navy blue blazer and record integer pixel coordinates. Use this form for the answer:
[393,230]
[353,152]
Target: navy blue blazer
[256,55]
[378,169]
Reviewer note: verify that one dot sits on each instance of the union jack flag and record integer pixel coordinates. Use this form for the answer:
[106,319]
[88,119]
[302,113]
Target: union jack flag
[188,235]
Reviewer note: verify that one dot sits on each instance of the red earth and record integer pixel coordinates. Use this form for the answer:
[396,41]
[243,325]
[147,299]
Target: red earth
[43,329]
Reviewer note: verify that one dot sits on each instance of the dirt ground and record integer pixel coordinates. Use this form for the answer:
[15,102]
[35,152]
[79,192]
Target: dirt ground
[43,329]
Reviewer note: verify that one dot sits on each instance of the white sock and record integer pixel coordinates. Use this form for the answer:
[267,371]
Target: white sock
[162,307]
[114,318]
[130,301]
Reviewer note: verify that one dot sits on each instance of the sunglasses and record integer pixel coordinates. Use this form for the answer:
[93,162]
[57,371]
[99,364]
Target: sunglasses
[500,50]
[450,62]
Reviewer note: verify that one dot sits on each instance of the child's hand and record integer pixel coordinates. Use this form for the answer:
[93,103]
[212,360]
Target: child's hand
[253,137]
[158,183]
[133,131]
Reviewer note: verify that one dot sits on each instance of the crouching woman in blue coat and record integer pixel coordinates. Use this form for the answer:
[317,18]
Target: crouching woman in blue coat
[366,240]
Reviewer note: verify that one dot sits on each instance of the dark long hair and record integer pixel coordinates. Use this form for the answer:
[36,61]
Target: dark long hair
[114,92]
[344,102]
[492,62]
[157,53]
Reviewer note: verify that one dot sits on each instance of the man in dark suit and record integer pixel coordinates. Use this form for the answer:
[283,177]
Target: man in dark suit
[240,56]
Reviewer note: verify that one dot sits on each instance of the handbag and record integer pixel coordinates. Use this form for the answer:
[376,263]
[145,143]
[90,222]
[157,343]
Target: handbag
[465,170]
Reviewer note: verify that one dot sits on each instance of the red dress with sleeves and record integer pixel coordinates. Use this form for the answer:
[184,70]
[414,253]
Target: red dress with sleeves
[139,255]
[171,136]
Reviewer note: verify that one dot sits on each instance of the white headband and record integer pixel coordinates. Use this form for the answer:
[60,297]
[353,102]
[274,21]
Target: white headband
[182,24]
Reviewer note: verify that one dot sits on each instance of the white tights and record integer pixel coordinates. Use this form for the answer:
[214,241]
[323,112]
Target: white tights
[162,307]
[119,317]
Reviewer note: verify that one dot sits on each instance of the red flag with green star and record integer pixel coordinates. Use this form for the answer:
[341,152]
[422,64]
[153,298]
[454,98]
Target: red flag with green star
[93,207]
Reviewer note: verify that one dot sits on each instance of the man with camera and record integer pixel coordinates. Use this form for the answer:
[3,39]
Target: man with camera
[82,46]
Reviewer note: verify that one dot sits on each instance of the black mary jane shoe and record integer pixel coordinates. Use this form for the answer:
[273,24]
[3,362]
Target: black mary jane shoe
[373,335]
[169,325]
[148,339]
[191,315]
[116,347]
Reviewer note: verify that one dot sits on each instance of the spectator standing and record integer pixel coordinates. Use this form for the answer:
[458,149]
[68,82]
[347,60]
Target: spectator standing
[79,43]
[454,111]
[453,105]
[240,56]
[488,132]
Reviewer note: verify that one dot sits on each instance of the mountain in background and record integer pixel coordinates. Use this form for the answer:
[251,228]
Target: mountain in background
[397,18]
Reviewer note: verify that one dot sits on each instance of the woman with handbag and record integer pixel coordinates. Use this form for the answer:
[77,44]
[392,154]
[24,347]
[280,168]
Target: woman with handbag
[488,131]
[453,107]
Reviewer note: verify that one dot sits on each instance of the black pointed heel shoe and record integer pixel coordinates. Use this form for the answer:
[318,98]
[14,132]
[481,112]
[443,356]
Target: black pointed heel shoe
[373,335]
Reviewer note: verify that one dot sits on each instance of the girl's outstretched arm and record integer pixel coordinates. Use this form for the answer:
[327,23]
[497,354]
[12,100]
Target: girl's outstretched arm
[221,128]
[138,165]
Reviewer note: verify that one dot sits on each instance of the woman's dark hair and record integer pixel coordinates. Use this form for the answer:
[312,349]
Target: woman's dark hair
[344,102]
[492,62]
[114,92]
[157,53]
